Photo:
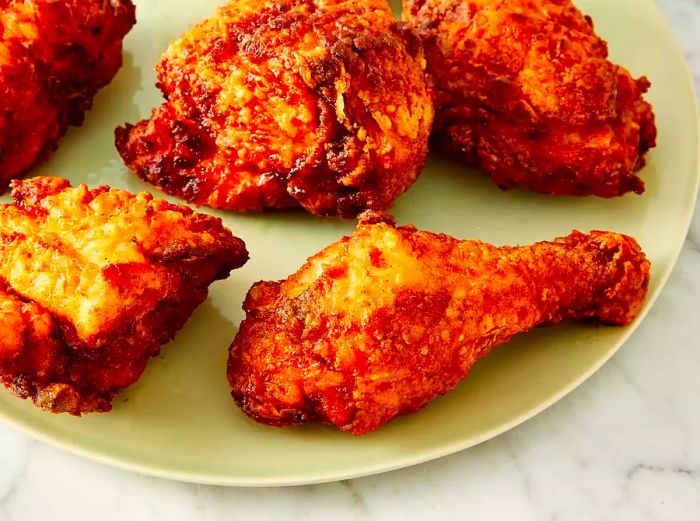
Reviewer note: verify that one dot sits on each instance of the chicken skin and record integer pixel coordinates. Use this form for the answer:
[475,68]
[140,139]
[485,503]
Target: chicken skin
[54,57]
[274,104]
[525,91]
[92,282]
[381,322]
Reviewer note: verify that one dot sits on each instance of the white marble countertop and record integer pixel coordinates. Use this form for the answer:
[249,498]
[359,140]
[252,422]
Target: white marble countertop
[636,457]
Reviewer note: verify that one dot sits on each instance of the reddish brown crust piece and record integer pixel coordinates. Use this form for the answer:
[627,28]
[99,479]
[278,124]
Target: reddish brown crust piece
[92,282]
[54,57]
[181,159]
[525,91]
[381,322]
[272,104]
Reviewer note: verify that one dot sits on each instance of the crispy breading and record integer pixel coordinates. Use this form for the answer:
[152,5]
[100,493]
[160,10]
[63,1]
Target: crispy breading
[92,282]
[272,104]
[525,90]
[54,57]
[381,322]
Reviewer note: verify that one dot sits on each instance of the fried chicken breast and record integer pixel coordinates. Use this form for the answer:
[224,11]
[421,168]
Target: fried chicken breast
[525,91]
[54,57]
[272,104]
[381,322]
[92,282]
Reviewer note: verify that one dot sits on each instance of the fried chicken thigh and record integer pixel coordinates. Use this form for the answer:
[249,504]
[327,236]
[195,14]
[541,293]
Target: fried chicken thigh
[273,104]
[525,91]
[381,322]
[92,282]
[54,57]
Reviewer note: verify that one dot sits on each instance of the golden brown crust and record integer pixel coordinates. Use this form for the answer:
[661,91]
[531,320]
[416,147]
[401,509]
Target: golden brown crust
[54,57]
[525,90]
[180,158]
[272,104]
[92,282]
[380,323]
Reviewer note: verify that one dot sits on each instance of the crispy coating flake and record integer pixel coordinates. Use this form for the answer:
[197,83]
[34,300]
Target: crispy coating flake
[381,322]
[525,90]
[92,282]
[54,57]
[271,104]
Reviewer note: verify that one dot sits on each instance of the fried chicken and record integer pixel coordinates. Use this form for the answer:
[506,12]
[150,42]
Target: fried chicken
[380,323]
[54,57]
[525,91]
[92,282]
[273,104]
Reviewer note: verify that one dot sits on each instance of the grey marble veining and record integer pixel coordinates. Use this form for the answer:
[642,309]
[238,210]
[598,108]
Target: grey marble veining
[590,457]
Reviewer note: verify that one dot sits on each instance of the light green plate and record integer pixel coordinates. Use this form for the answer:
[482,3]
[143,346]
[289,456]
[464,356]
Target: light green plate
[179,422]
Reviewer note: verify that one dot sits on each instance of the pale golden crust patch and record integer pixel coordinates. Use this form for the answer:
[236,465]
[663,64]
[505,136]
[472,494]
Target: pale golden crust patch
[99,279]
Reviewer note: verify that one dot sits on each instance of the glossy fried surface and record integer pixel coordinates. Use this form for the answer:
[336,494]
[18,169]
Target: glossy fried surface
[92,282]
[525,90]
[54,57]
[381,322]
[272,104]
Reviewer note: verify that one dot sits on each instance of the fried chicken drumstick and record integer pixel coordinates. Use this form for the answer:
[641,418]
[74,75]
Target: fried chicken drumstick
[92,282]
[278,103]
[380,323]
[54,57]
[525,91]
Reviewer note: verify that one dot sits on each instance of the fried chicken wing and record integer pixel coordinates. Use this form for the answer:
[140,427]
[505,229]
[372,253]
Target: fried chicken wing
[54,57]
[380,323]
[525,90]
[92,282]
[272,104]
